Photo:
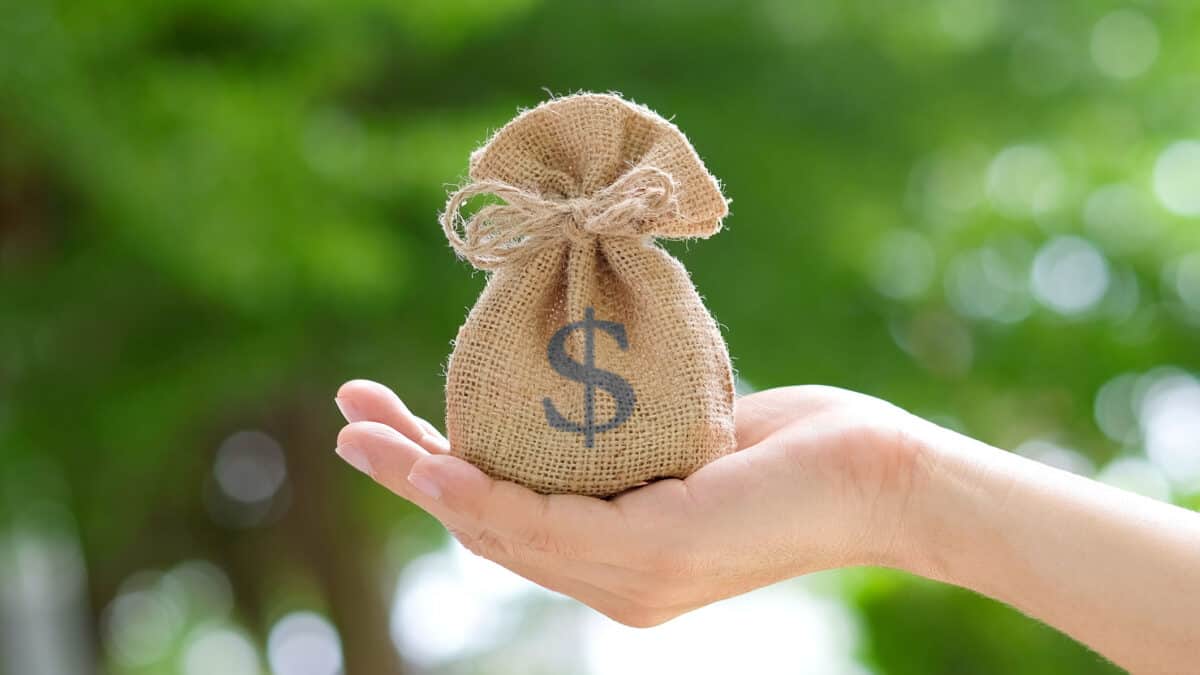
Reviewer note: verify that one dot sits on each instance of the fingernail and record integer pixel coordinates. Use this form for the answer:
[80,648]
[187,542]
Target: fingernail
[355,457]
[426,485]
[348,410]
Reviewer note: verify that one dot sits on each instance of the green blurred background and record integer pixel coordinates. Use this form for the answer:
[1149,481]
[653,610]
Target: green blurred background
[212,213]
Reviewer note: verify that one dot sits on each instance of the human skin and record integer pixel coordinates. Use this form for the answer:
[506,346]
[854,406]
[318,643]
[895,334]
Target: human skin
[823,478]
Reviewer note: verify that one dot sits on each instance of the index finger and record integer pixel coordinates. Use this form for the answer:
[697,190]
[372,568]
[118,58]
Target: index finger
[365,400]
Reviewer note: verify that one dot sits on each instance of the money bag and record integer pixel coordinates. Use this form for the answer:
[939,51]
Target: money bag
[589,365]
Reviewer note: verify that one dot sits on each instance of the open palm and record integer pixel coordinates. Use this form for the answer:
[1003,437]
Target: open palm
[819,481]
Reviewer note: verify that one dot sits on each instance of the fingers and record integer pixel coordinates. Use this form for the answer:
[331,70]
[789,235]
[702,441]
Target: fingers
[581,546]
[387,456]
[367,401]
[566,526]
[464,497]
[382,453]
[578,546]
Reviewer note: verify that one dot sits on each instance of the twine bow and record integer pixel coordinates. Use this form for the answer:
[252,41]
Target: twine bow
[499,233]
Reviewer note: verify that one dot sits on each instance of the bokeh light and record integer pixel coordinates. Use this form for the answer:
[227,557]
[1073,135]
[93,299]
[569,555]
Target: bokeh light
[450,604]
[1124,44]
[991,282]
[1184,279]
[770,627]
[201,588]
[1177,178]
[1136,474]
[1024,181]
[42,585]
[142,621]
[249,466]
[1070,275]
[220,649]
[1170,421]
[249,486]
[1059,456]
[1116,410]
[304,643]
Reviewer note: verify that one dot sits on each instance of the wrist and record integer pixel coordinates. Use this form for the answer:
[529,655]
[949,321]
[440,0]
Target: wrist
[896,523]
[947,530]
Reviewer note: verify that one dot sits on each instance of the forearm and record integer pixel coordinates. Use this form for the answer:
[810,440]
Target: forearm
[1118,572]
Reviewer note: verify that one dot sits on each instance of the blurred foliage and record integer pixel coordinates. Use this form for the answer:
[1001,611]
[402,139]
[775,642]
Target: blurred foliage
[212,213]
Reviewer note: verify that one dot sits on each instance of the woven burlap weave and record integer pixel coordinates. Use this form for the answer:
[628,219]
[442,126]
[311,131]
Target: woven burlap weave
[586,184]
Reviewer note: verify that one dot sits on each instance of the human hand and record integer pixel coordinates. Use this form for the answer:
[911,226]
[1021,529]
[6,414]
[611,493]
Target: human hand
[820,480]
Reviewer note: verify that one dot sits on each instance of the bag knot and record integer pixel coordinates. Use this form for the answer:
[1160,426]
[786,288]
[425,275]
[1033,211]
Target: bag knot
[497,234]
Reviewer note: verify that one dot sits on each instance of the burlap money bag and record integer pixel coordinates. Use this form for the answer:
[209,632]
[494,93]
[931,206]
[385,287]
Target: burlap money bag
[589,364]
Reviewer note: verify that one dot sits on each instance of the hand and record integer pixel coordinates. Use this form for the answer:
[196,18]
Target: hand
[820,480]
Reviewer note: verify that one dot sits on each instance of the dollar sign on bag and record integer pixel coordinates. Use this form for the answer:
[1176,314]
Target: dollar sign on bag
[590,376]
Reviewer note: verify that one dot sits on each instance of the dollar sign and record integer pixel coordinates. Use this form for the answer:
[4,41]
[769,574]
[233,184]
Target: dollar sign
[590,376]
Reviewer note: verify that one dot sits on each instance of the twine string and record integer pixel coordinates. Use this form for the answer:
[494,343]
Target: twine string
[498,234]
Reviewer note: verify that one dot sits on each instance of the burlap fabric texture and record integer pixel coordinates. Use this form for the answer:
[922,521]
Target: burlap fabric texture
[589,364]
